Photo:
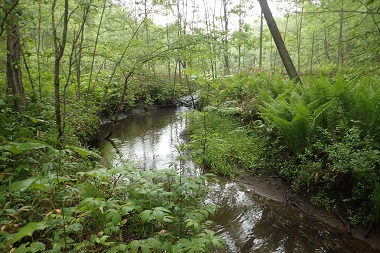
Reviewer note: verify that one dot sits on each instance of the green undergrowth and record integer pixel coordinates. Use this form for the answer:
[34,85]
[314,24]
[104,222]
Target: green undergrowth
[62,200]
[322,136]
[220,143]
[141,90]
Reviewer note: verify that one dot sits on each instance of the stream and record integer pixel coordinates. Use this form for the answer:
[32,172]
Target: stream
[247,220]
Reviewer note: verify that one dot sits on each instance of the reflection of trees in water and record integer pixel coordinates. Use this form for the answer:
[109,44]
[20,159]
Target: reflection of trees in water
[279,234]
[115,148]
[145,138]
[250,223]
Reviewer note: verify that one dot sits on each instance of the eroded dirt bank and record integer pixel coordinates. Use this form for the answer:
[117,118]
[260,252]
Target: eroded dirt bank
[273,188]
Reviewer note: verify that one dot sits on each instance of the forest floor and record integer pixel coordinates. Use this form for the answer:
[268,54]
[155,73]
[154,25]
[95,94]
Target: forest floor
[275,188]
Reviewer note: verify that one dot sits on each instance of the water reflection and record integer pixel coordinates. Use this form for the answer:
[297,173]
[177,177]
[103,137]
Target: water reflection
[147,139]
[251,223]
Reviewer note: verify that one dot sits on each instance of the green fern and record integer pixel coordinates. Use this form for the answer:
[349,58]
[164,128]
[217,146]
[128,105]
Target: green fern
[297,112]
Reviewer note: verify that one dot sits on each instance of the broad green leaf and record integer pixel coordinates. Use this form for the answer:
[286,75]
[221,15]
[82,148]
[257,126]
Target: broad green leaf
[189,223]
[103,240]
[28,230]
[24,146]
[39,186]
[127,209]
[20,147]
[159,215]
[35,120]
[23,133]
[168,219]
[34,247]
[114,216]
[83,152]
[146,215]
[21,185]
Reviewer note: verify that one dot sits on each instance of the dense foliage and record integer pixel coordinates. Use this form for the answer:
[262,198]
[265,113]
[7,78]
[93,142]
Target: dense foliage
[322,136]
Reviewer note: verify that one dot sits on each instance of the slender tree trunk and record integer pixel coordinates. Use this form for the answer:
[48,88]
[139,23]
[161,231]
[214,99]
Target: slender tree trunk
[119,61]
[312,53]
[261,41]
[225,39]
[287,61]
[179,32]
[271,60]
[14,76]
[39,49]
[325,44]
[94,51]
[29,75]
[340,58]
[240,32]
[214,43]
[79,64]
[150,65]
[287,19]
[209,39]
[79,48]
[174,78]
[168,43]
[59,47]
[299,36]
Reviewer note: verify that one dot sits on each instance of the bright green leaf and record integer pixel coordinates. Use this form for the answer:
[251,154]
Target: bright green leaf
[28,230]
[146,215]
[116,218]
[21,185]
[83,152]
[34,247]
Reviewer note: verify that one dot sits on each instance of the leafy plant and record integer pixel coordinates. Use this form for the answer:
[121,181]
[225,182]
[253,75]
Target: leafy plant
[221,145]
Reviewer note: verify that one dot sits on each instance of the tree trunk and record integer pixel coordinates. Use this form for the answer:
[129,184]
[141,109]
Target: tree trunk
[340,58]
[38,49]
[59,47]
[14,76]
[94,51]
[225,39]
[287,19]
[285,57]
[299,36]
[312,53]
[261,41]
[240,32]
[29,75]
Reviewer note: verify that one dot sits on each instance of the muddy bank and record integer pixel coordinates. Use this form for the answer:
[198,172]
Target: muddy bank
[274,188]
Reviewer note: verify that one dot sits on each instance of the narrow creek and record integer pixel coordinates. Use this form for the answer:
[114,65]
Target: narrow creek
[248,220]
